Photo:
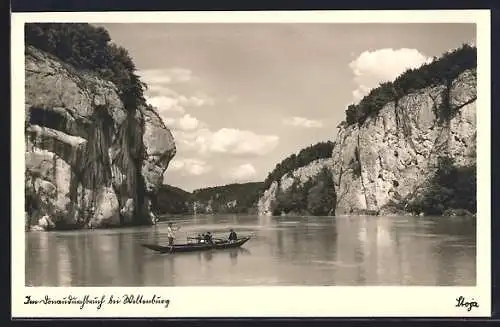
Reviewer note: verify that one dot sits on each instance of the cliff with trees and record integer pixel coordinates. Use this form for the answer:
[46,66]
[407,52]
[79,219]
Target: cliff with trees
[95,150]
[408,147]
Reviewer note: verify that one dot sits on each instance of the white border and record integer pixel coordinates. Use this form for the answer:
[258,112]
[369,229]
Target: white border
[331,301]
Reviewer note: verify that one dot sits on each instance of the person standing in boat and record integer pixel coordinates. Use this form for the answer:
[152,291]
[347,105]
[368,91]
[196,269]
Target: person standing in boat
[171,233]
[232,235]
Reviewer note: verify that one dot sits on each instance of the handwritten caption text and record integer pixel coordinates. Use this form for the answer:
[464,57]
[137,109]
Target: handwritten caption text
[98,301]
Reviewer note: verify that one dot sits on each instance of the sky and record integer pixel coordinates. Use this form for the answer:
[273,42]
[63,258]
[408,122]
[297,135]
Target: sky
[239,98]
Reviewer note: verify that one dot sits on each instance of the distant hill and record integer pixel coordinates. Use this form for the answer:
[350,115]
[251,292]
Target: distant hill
[172,200]
[236,198]
[232,198]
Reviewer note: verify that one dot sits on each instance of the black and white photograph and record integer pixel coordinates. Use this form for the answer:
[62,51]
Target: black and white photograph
[229,154]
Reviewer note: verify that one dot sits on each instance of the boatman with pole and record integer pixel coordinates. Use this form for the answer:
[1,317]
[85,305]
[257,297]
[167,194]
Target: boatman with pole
[171,233]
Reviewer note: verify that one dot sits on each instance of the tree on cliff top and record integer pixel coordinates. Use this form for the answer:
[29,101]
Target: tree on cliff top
[89,47]
[440,71]
[305,156]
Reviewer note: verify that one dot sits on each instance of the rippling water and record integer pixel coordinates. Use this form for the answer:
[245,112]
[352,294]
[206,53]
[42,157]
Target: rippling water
[283,251]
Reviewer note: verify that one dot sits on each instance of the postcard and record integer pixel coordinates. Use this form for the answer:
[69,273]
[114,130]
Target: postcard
[271,164]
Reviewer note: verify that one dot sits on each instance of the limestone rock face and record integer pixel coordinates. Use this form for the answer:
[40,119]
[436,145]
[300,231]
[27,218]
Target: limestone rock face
[160,149]
[107,209]
[85,153]
[392,154]
[265,205]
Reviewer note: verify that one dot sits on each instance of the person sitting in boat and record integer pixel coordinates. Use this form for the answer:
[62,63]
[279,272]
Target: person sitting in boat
[208,238]
[201,238]
[232,235]
[171,233]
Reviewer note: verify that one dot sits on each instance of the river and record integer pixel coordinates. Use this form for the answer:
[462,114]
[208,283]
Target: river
[347,251]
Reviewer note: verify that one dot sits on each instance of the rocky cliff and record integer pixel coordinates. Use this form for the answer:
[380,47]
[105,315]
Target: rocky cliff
[392,155]
[268,201]
[89,161]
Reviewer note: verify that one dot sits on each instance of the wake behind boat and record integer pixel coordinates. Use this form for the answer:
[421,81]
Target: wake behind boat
[192,247]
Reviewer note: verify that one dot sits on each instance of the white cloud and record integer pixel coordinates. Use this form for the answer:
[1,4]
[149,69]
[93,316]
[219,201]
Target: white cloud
[169,121]
[183,124]
[165,105]
[189,166]
[196,101]
[190,133]
[191,140]
[374,67]
[234,141]
[187,122]
[226,140]
[160,89]
[175,104]
[166,76]
[302,122]
[166,100]
[243,172]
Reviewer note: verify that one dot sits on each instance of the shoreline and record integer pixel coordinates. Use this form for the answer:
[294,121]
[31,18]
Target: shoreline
[167,218]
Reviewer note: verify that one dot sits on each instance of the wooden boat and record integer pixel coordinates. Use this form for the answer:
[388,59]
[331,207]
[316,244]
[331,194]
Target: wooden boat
[192,247]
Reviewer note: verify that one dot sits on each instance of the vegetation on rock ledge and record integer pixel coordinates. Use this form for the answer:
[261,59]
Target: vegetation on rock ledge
[441,71]
[87,47]
[450,188]
[307,155]
[315,197]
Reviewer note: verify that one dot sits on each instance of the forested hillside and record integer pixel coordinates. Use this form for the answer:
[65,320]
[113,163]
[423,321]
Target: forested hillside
[305,156]
[232,198]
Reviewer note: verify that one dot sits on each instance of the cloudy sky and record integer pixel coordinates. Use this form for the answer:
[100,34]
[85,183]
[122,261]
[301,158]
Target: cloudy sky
[241,97]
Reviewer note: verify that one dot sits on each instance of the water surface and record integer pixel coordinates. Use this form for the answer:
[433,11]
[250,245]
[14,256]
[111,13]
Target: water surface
[345,251]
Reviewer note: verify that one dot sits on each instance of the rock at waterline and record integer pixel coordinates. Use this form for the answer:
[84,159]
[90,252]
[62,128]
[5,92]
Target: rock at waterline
[82,145]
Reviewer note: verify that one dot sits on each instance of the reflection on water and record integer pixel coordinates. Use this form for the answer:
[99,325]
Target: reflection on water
[283,251]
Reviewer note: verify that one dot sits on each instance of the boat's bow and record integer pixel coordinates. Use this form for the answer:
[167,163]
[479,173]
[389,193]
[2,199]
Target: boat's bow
[155,247]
